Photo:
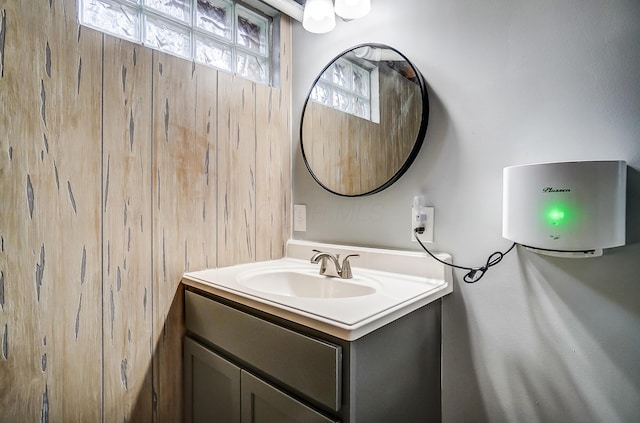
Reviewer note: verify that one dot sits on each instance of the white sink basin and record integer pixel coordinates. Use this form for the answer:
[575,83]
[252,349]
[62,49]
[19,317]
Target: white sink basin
[304,283]
[386,285]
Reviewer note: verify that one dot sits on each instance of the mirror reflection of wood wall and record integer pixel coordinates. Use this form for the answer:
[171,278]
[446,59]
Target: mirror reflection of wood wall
[351,155]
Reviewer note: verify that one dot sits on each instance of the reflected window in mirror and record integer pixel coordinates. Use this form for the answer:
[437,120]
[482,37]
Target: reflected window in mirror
[345,86]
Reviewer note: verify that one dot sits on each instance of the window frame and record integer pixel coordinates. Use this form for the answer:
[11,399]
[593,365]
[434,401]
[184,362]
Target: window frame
[268,17]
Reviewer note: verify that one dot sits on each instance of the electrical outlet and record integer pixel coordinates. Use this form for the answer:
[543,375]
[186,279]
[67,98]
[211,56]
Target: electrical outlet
[418,219]
[428,223]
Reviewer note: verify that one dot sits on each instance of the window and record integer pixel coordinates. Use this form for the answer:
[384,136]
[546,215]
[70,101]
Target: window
[217,33]
[347,87]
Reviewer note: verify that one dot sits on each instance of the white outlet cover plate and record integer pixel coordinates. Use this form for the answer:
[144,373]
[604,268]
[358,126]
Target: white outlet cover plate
[299,217]
[427,235]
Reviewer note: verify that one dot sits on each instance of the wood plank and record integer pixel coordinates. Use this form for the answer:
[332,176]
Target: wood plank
[273,158]
[126,247]
[21,339]
[51,231]
[236,170]
[286,60]
[184,218]
[206,126]
[272,173]
[73,109]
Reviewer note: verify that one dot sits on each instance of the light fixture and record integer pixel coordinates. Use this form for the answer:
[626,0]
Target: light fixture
[318,16]
[352,9]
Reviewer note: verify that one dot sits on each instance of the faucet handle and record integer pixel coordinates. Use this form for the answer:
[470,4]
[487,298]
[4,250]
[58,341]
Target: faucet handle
[346,258]
[346,267]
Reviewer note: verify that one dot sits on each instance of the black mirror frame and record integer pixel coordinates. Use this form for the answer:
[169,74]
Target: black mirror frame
[419,138]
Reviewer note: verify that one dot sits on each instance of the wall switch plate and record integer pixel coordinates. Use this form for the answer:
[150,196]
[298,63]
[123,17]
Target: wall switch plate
[427,235]
[299,217]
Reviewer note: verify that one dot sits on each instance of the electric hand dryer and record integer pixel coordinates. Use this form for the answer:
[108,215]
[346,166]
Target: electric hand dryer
[569,209]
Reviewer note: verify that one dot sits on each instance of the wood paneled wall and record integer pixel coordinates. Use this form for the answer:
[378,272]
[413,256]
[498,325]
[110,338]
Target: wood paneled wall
[120,168]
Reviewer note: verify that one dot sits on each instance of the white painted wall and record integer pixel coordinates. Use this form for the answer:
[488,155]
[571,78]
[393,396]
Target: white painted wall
[511,82]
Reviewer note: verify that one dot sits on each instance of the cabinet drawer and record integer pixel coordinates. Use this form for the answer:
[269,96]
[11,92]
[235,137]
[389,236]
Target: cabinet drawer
[308,365]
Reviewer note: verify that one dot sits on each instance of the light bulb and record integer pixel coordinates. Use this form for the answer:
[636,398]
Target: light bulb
[352,9]
[318,16]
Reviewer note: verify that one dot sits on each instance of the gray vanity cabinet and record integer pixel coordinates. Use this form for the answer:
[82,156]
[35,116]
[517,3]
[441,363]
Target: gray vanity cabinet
[242,365]
[218,391]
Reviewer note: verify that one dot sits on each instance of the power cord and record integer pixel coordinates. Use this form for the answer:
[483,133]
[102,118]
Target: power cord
[475,273]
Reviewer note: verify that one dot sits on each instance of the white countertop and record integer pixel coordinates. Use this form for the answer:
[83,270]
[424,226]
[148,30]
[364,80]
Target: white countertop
[423,280]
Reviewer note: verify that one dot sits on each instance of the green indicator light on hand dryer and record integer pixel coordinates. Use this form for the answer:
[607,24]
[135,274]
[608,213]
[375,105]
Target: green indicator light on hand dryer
[556,215]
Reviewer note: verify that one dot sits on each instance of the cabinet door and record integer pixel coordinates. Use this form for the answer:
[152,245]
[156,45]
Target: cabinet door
[311,366]
[262,403]
[211,386]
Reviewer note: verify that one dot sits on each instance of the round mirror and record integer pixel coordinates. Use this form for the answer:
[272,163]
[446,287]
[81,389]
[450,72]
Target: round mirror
[364,120]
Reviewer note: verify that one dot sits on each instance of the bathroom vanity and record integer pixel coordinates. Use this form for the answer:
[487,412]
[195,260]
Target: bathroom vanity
[311,356]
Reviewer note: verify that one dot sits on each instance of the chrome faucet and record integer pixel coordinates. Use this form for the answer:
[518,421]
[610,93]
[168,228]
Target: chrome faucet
[343,271]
